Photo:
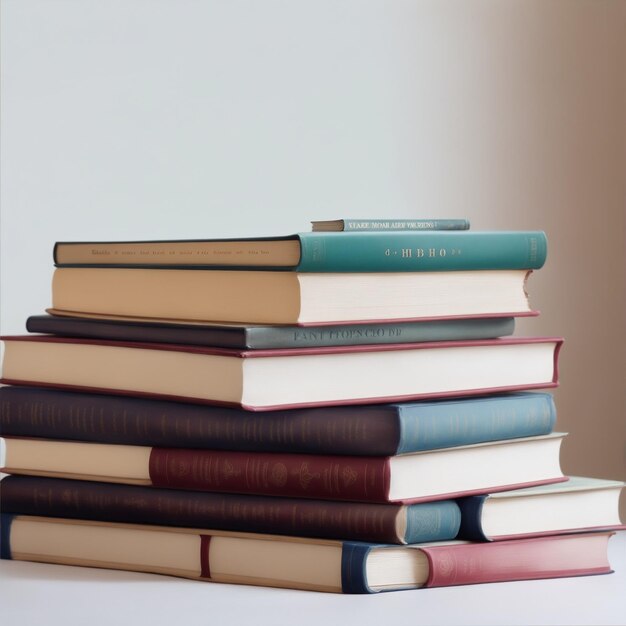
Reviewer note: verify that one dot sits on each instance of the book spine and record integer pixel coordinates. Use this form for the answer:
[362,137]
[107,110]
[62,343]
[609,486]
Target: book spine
[5,535]
[432,425]
[55,497]
[364,334]
[426,224]
[353,567]
[53,414]
[289,475]
[421,252]
[441,519]
[471,527]
[119,331]
[544,557]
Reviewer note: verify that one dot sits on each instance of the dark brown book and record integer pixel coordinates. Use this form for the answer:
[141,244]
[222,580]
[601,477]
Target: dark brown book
[357,430]
[384,523]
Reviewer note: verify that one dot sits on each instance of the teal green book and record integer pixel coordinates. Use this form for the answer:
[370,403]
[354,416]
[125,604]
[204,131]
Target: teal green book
[323,252]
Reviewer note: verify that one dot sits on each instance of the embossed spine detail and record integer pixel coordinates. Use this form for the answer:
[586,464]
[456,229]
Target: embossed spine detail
[308,476]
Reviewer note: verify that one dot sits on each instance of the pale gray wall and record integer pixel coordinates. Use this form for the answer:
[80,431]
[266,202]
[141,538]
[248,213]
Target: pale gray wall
[163,119]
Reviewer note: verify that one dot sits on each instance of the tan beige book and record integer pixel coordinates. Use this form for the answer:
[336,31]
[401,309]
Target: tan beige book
[307,564]
[265,297]
[421,476]
[282,378]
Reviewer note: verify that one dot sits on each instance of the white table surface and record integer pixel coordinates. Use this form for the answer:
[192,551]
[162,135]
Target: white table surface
[46,595]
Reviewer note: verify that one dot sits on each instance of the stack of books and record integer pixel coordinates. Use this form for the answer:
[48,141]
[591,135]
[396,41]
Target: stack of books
[335,411]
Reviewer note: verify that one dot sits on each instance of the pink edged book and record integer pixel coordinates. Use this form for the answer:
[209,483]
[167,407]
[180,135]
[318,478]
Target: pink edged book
[298,563]
[283,378]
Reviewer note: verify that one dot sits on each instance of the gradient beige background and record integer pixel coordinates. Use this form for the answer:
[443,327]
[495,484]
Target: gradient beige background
[153,119]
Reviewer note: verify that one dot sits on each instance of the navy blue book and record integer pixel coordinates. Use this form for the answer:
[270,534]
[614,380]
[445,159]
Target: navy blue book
[580,504]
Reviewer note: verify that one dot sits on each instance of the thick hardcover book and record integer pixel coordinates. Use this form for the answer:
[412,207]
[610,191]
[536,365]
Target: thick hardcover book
[419,477]
[349,225]
[573,506]
[292,298]
[432,251]
[380,523]
[358,430]
[255,337]
[268,379]
[310,564]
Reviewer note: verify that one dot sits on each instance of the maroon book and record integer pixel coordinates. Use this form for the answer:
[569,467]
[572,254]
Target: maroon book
[432,475]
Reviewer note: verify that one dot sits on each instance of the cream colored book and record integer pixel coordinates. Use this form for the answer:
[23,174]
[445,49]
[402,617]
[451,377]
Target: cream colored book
[283,378]
[265,297]
[576,505]
[307,564]
[421,476]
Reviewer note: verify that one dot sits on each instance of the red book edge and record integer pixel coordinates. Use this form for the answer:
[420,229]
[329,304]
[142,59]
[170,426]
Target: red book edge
[439,578]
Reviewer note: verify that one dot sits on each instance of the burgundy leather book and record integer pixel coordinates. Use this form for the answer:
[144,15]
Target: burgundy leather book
[432,475]
[278,379]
